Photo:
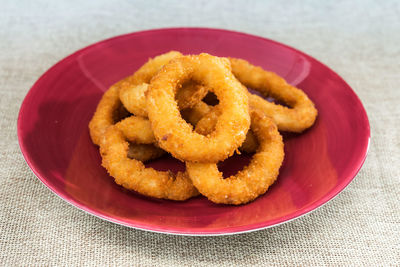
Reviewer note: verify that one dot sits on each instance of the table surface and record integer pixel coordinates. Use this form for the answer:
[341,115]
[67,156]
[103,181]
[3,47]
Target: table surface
[358,39]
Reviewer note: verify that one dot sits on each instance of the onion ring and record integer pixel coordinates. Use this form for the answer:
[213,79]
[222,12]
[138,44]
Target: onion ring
[110,110]
[133,175]
[133,95]
[104,115]
[172,132]
[254,179]
[299,117]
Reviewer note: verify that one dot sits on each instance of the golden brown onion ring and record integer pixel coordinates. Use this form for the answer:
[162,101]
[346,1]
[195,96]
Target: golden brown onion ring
[108,112]
[172,132]
[133,175]
[254,179]
[301,114]
[104,115]
[133,94]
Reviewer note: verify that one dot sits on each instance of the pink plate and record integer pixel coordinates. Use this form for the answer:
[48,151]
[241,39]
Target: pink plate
[54,138]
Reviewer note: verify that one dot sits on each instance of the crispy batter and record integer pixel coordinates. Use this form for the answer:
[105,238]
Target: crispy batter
[137,130]
[301,114]
[104,115]
[133,175]
[254,179]
[171,130]
[133,98]
[110,110]
[132,94]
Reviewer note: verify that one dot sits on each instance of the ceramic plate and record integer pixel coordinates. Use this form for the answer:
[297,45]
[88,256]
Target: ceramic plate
[319,163]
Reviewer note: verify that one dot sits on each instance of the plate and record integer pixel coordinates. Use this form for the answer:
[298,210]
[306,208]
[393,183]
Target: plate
[54,138]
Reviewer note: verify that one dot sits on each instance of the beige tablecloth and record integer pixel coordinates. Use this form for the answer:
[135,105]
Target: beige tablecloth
[360,40]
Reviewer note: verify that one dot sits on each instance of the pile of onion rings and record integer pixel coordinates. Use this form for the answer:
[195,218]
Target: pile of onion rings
[197,109]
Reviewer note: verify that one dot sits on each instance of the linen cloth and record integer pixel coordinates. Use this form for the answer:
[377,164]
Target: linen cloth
[360,40]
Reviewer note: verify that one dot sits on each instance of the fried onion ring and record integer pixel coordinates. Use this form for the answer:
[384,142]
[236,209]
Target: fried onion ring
[172,132]
[110,110]
[133,175]
[133,94]
[104,115]
[299,117]
[254,179]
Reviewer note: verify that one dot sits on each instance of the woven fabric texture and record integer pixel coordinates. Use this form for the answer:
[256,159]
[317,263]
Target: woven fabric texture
[358,39]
